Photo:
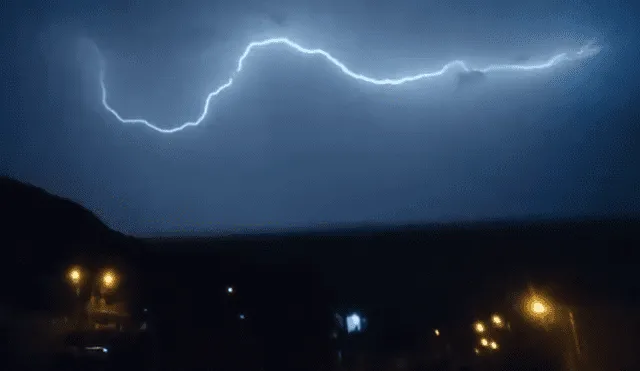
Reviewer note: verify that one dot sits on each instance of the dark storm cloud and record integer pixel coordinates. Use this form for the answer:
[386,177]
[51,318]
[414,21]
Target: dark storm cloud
[296,143]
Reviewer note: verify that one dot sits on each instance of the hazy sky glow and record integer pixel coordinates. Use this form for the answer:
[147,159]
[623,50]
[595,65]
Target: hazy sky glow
[295,143]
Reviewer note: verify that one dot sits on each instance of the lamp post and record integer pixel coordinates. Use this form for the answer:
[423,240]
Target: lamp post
[542,310]
[75,276]
[497,321]
[105,282]
[109,280]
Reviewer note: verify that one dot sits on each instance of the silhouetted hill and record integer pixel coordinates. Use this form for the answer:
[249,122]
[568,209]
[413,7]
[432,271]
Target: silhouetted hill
[33,213]
[42,235]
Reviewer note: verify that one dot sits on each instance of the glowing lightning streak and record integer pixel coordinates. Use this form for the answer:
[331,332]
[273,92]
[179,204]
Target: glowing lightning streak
[588,50]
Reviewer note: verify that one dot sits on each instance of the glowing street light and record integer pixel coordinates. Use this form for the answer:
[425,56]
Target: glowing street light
[497,320]
[230,290]
[75,276]
[537,307]
[493,345]
[437,332]
[109,279]
[546,312]
[484,342]
[479,327]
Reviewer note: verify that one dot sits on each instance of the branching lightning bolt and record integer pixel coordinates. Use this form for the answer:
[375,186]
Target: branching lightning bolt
[588,50]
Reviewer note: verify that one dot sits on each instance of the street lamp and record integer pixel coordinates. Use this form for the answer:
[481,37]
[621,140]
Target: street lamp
[538,308]
[109,279]
[493,345]
[497,320]
[484,342]
[542,310]
[75,275]
[479,327]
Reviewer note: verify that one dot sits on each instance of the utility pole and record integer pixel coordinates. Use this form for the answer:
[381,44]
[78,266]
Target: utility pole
[576,342]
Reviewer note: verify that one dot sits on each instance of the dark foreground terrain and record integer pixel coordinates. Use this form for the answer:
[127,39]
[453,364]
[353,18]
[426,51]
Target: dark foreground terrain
[269,302]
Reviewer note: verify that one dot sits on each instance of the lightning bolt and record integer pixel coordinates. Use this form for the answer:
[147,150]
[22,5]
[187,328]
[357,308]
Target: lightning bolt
[588,50]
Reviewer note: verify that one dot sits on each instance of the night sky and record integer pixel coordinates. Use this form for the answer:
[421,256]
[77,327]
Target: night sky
[296,143]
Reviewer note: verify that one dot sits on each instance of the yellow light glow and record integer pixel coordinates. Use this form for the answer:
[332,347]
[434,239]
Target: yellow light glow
[497,320]
[493,345]
[484,342]
[479,327]
[538,307]
[75,275]
[437,332]
[476,350]
[109,279]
